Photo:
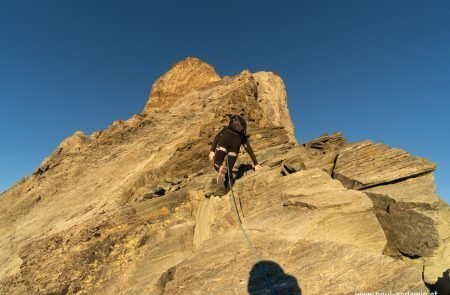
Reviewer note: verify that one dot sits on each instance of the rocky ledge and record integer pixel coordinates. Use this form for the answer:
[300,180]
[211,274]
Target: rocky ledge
[132,209]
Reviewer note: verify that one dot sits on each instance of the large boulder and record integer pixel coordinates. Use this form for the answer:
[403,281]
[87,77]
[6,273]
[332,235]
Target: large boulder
[415,220]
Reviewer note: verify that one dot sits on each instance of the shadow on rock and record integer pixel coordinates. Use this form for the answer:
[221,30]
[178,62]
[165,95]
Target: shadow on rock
[442,286]
[243,169]
[220,189]
[267,277]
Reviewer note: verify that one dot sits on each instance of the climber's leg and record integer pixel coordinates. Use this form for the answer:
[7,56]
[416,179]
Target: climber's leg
[219,156]
[231,160]
[219,164]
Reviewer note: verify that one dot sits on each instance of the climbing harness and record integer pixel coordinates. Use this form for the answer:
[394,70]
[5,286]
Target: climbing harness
[258,259]
[220,148]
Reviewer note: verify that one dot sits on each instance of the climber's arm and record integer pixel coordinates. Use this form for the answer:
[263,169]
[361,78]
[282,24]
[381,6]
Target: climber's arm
[214,145]
[216,140]
[249,150]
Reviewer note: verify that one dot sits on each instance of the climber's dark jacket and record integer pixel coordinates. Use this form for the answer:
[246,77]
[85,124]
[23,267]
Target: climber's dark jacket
[228,141]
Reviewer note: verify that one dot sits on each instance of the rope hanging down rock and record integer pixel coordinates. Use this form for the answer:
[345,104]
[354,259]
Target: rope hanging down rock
[250,243]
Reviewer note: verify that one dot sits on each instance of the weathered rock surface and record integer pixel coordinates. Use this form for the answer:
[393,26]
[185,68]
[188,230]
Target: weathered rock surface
[185,77]
[406,210]
[132,209]
[271,95]
[368,164]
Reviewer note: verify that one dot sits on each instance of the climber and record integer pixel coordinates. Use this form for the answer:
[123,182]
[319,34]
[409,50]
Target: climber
[228,142]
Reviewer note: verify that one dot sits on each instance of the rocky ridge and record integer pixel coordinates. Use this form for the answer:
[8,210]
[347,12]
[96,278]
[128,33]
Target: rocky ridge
[131,209]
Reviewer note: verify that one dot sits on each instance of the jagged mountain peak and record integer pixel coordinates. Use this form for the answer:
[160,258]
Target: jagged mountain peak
[184,77]
[134,208]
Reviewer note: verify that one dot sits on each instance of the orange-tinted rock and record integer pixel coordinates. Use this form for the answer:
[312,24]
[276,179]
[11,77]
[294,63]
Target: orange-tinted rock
[132,209]
[184,77]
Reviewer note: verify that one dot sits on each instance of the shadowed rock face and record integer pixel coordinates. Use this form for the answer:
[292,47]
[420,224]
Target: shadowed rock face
[132,210]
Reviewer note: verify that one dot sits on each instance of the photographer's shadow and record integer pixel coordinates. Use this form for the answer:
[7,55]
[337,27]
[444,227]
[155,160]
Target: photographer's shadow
[267,277]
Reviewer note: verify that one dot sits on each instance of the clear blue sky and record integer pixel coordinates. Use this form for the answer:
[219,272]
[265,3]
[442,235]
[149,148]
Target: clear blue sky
[375,70]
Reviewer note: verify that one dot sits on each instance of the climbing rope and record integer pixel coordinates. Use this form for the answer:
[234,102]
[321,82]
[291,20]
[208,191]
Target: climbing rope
[234,205]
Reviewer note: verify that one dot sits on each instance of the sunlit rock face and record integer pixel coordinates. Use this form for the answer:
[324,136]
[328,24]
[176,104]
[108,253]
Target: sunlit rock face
[183,78]
[133,209]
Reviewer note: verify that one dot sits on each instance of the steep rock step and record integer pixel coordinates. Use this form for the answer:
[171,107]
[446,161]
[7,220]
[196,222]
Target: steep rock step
[416,223]
[309,201]
[214,217]
[407,212]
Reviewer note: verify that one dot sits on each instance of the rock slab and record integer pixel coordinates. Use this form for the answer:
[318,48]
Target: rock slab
[132,209]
